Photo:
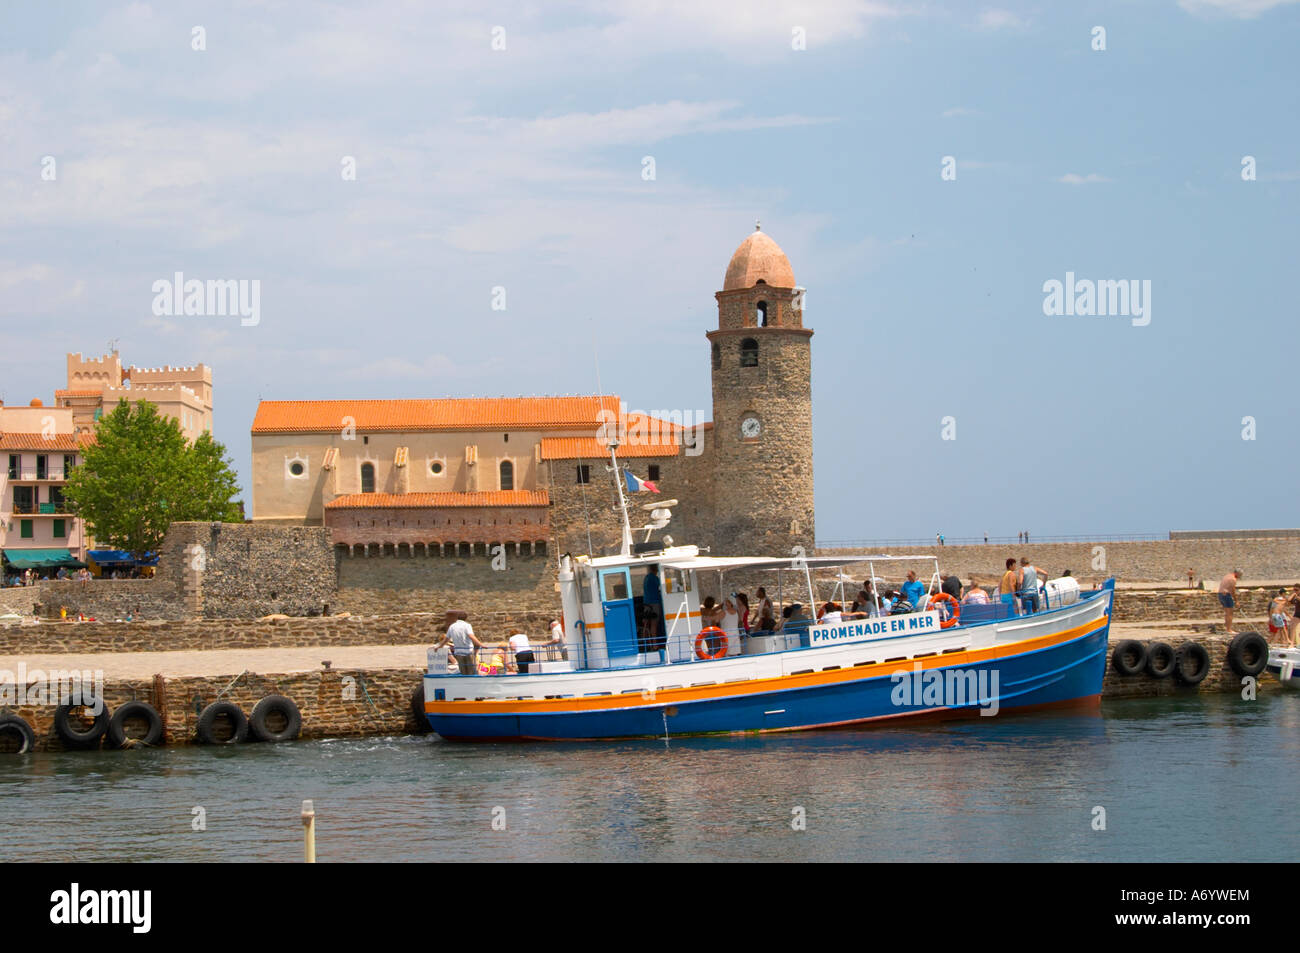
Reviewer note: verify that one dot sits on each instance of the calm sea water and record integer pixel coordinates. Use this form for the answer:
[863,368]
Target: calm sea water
[1181,779]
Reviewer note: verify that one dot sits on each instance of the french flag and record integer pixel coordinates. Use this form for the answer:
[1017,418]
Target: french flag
[636,485]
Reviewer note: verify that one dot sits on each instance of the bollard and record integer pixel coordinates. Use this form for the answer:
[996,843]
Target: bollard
[308,832]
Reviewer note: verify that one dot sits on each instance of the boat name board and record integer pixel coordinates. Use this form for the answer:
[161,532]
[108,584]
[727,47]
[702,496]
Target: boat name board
[856,630]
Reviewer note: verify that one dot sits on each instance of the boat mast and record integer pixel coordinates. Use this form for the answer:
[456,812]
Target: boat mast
[622,500]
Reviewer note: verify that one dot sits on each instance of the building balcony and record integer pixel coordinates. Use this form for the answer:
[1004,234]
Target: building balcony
[37,476]
[41,509]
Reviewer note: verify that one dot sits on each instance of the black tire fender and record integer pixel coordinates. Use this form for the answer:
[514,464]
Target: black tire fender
[203,731]
[79,739]
[1248,653]
[1160,659]
[1129,657]
[263,709]
[422,726]
[1192,663]
[153,735]
[11,724]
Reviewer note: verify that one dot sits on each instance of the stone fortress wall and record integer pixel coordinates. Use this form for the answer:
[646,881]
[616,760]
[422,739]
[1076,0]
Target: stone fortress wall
[251,571]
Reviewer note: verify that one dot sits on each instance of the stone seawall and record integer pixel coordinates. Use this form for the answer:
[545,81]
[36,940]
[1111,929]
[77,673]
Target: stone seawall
[203,634]
[20,600]
[1221,678]
[1161,561]
[335,703]
[417,582]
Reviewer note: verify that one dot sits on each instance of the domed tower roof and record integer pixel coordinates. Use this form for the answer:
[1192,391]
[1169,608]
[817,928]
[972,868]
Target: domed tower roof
[758,259]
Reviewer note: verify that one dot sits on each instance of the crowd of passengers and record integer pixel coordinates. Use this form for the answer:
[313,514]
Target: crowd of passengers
[1020,588]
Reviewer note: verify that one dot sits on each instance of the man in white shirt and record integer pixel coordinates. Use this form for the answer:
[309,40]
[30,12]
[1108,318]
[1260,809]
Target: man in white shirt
[464,643]
[557,638]
[523,650]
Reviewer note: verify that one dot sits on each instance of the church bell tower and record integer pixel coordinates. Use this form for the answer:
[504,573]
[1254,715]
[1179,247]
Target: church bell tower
[762,407]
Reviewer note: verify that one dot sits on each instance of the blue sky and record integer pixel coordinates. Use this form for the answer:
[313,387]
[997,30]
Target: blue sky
[522,168]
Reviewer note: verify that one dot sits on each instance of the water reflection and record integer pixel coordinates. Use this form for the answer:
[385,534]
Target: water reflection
[1179,778]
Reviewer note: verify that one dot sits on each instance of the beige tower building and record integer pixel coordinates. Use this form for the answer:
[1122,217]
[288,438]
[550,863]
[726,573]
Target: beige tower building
[762,407]
[96,384]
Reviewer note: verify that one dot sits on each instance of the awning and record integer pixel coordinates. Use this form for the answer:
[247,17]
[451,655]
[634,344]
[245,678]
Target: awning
[41,559]
[120,557]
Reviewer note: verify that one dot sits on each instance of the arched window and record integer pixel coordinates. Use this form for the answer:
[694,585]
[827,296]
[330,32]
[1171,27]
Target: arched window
[507,475]
[749,353]
[367,478]
[717,356]
[761,316]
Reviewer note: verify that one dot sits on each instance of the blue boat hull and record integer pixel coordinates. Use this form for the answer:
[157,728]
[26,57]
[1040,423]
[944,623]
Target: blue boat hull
[1070,671]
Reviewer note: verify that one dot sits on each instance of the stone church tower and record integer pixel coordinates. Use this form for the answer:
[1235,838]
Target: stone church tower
[762,407]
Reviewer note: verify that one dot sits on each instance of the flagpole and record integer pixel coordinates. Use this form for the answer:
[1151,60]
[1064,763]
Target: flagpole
[622,500]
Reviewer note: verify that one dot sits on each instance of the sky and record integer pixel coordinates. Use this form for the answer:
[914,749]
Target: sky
[928,168]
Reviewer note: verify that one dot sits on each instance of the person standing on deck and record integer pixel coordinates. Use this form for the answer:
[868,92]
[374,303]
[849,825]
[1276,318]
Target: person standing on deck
[912,590]
[730,617]
[557,638]
[522,649]
[1009,584]
[464,643]
[1294,604]
[1030,579]
[1228,598]
[652,602]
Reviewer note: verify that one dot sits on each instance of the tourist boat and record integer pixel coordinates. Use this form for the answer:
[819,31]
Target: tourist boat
[1285,664]
[624,680]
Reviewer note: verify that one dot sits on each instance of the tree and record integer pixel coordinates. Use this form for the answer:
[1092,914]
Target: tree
[140,476]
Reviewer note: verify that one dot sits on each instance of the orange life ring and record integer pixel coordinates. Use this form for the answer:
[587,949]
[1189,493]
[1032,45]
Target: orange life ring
[705,633]
[955,613]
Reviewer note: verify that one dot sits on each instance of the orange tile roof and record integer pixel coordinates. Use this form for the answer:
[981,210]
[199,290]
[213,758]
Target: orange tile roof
[453,413]
[36,441]
[587,448]
[355,501]
[78,393]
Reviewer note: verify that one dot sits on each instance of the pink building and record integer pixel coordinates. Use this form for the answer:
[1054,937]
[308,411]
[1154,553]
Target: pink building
[38,446]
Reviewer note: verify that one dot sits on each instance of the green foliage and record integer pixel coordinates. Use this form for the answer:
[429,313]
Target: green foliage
[140,476]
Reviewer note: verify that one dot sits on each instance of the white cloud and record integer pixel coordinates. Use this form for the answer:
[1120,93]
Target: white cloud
[995,19]
[1242,9]
[958,111]
[1073,178]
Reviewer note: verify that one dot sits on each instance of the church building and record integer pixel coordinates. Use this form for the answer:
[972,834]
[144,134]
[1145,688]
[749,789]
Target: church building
[457,476]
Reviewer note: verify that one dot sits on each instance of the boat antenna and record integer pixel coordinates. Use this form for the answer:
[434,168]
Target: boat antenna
[622,500]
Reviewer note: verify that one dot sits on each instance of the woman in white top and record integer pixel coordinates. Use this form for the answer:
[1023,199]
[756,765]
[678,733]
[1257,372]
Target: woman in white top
[730,619]
[523,650]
